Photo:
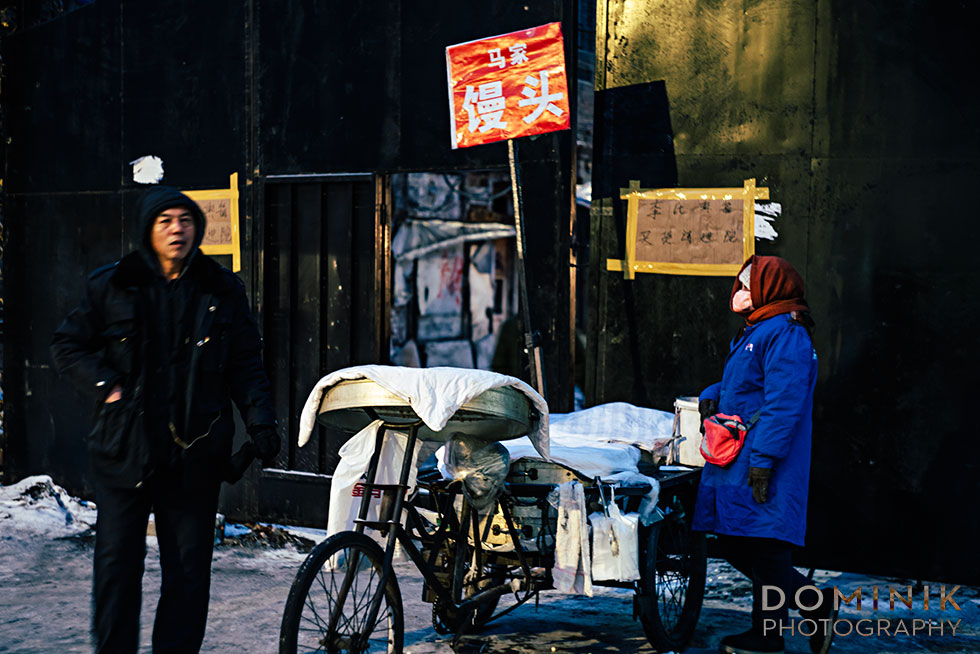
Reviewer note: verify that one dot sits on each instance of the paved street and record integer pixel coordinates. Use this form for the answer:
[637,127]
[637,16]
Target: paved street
[44,607]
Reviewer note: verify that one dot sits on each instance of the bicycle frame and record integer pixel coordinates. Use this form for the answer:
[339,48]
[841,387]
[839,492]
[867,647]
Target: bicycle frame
[397,533]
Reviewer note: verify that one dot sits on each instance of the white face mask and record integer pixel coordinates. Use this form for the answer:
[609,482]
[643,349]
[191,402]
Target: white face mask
[742,301]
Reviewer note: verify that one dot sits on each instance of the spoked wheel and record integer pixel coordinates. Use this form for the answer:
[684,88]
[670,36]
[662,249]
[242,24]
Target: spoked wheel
[328,604]
[672,583]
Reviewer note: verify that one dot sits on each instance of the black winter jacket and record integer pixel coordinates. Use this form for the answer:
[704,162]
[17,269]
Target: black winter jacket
[107,340]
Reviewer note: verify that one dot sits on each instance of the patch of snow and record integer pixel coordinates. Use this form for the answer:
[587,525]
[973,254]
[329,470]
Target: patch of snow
[36,506]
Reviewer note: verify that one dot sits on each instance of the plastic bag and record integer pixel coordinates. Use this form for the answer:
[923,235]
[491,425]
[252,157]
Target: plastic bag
[347,488]
[481,465]
[615,545]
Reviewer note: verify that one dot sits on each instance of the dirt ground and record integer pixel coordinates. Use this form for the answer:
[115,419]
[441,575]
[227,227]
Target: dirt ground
[45,583]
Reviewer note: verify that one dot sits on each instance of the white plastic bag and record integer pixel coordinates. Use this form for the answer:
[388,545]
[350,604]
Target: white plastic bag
[615,545]
[346,487]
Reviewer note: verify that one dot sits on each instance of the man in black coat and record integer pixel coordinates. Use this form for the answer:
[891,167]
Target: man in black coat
[164,340]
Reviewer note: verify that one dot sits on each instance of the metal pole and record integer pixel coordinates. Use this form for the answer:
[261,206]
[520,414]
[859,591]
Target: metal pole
[530,342]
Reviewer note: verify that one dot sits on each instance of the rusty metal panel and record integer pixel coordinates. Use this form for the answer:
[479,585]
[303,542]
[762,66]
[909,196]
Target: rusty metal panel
[739,75]
[860,119]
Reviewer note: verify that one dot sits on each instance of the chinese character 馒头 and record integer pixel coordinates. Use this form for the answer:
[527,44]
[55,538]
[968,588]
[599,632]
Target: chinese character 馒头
[485,104]
[541,101]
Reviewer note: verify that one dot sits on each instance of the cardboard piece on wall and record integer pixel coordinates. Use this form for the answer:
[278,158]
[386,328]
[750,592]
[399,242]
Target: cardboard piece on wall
[688,231]
[220,207]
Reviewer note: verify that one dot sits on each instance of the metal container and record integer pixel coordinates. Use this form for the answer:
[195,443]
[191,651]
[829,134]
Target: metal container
[535,471]
[687,431]
[497,414]
[536,522]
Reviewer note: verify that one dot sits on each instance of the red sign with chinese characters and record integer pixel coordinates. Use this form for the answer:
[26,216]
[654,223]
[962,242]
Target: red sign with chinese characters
[507,86]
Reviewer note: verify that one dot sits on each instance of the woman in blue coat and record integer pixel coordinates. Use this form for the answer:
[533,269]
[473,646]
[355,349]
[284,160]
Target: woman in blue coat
[757,504]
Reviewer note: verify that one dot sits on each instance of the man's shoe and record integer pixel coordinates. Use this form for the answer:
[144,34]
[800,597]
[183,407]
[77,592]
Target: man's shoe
[820,641]
[751,642]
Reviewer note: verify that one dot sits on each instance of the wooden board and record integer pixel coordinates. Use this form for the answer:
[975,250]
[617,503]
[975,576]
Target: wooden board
[688,231]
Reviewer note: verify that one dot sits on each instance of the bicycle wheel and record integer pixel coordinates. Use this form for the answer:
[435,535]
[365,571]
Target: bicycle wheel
[318,593]
[673,568]
[444,621]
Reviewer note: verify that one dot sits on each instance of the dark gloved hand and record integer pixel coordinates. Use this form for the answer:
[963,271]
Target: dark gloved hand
[267,443]
[707,408]
[239,462]
[759,481]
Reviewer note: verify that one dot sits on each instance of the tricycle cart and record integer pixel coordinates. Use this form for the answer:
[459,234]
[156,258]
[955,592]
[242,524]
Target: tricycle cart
[346,598]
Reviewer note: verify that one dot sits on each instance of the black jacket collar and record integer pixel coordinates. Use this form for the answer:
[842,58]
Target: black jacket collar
[204,272]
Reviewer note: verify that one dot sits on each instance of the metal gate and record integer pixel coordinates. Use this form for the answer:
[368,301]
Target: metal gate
[323,306]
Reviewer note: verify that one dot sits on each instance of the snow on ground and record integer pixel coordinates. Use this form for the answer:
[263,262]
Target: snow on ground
[37,507]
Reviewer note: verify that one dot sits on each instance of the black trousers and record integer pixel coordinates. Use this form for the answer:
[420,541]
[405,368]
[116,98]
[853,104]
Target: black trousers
[768,562]
[184,518]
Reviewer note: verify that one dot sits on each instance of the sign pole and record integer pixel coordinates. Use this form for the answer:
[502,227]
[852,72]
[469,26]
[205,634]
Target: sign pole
[530,338]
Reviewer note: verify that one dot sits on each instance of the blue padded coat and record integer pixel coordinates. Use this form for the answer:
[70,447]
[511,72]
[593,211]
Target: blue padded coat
[772,366]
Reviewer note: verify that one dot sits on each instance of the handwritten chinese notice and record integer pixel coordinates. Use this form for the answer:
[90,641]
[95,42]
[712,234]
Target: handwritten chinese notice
[689,231]
[220,207]
[218,214]
[507,86]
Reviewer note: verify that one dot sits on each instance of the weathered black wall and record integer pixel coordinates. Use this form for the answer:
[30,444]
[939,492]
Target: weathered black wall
[84,95]
[860,118]
[262,89]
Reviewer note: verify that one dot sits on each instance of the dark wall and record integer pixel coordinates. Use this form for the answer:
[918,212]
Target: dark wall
[262,89]
[365,90]
[860,118]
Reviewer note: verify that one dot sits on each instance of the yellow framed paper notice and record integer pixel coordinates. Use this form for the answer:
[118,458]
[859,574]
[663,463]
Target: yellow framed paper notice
[688,231]
[220,207]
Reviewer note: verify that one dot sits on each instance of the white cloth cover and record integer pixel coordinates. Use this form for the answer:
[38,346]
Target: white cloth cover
[434,393]
[616,422]
[602,442]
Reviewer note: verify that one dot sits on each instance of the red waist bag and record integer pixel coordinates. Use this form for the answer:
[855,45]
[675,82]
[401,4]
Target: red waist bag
[724,437]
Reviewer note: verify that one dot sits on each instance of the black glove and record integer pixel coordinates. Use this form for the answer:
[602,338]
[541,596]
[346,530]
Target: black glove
[239,462]
[267,443]
[707,408]
[759,481]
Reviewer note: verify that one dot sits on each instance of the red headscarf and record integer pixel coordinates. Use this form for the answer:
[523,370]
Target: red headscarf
[775,286]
